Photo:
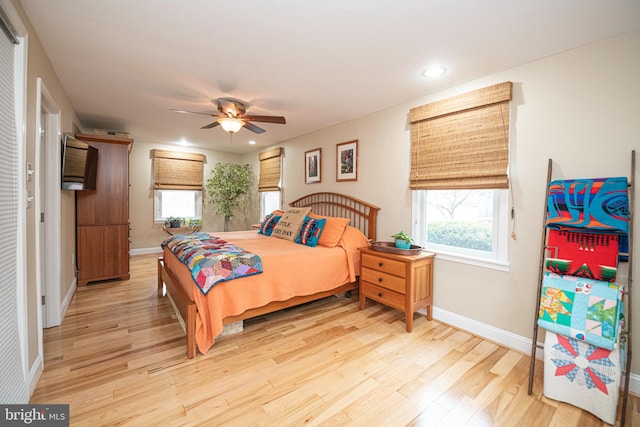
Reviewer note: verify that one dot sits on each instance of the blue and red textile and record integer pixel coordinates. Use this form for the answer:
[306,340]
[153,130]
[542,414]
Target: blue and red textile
[590,255]
[593,205]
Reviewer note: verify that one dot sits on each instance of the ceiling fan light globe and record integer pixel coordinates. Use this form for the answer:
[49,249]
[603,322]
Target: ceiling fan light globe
[230,124]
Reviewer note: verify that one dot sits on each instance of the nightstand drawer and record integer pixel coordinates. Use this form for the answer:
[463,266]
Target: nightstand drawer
[383,295]
[389,266]
[384,280]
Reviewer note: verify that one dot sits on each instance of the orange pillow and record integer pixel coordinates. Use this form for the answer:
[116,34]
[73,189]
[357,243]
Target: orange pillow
[332,231]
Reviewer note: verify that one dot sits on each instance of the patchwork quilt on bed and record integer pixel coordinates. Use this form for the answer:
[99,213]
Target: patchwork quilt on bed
[211,259]
[583,375]
[586,309]
[590,255]
[596,205]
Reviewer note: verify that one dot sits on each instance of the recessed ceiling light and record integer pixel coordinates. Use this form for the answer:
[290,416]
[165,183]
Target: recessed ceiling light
[252,142]
[433,72]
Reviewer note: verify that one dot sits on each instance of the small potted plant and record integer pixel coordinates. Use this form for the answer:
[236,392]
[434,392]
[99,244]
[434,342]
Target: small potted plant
[173,221]
[403,240]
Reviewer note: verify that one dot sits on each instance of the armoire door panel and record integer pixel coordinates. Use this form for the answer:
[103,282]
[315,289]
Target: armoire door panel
[105,252]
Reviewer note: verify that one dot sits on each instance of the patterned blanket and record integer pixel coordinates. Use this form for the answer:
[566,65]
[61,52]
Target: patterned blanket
[596,205]
[590,255]
[211,259]
[589,310]
[583,375]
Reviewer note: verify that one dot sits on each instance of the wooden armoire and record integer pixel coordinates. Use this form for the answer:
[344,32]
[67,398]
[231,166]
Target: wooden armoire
[102,216]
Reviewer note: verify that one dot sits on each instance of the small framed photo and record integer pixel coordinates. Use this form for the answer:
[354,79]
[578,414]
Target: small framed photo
[313,166]
[347,161]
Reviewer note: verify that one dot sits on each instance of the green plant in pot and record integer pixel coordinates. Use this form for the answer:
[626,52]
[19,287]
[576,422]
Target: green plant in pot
[228,187]
[173,221]
[403,240]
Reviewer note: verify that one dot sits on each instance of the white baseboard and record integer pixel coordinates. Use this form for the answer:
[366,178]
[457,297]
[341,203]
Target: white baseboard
[146,251]
[67,299]
[34,374]
[505,338]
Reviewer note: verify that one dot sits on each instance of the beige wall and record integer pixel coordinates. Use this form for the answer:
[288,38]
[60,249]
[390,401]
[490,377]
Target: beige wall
[579,108]
[38,66]
[147,236]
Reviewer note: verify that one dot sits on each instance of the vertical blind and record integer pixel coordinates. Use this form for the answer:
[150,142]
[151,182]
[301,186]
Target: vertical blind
[462,142]
[7,28]
[270,170]
[12,375]
[177,170]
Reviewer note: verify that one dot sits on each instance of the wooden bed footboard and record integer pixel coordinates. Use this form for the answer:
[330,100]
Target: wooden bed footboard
[185,305]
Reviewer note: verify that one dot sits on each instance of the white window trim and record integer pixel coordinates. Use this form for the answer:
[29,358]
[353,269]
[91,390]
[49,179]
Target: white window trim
[157,203]
[263,211]
[498,260]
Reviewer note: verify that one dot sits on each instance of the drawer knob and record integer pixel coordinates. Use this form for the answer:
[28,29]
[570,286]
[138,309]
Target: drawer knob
[380,294]
[380,279]
[380,264]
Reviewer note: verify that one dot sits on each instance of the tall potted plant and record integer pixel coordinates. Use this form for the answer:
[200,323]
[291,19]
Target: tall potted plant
[228,187]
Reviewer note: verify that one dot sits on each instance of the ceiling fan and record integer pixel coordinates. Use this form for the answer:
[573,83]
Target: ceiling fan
[233,117]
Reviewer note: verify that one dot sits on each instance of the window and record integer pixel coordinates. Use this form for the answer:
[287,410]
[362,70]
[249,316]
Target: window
[459,165]
[178,203]
[177,184]
[269,202]
[465,225]
[269,183]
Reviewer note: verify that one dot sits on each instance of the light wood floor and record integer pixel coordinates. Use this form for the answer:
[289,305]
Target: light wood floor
[119,359]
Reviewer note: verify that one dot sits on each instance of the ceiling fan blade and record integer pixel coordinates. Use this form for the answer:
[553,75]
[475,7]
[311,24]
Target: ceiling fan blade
[253,128]
[265,119]
[191,112]
[210,125]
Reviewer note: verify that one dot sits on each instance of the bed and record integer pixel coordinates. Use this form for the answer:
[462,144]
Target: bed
[282,284]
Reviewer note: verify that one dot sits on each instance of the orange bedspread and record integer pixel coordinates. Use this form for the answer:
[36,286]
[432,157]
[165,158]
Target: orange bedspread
[290,270]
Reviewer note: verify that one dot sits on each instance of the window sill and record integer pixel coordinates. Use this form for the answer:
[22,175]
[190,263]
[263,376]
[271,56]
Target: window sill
[470,260]
[181,230]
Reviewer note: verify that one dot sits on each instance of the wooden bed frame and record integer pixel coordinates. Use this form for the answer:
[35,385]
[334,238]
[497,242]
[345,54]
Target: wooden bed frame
[363,217]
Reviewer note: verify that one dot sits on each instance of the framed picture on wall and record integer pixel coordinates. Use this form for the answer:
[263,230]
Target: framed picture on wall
[312,166]
[347,161]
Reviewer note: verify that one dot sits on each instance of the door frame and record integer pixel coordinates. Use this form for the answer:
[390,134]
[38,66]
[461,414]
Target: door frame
[47,200]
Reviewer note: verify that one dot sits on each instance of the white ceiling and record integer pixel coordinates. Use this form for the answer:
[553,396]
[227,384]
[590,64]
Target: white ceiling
[125,63]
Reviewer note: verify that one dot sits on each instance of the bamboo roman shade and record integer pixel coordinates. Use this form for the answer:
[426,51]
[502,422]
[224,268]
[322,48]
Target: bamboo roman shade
[462,142]
[177,171]
[270,170]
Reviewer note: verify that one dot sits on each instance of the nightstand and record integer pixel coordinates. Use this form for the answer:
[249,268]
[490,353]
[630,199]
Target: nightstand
[404,282]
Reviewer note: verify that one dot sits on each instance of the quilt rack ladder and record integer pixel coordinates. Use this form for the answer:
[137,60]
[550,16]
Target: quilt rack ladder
[627,292]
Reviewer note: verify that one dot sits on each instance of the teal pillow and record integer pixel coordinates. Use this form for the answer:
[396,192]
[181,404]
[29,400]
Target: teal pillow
[268,224]
[310,231]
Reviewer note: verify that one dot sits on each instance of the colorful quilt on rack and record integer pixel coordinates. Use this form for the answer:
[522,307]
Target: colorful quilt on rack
[211,259]
[590,255]
[586,309]
[596,205]
[583,375]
